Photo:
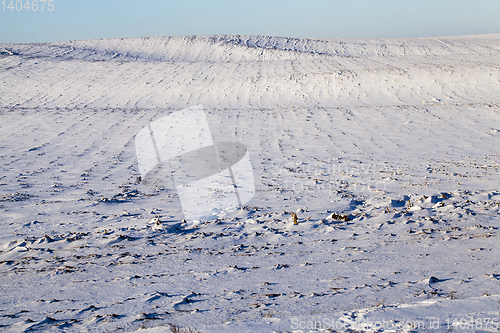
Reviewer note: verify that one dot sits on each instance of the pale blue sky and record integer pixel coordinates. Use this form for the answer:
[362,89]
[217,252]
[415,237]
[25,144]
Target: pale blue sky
[89,19]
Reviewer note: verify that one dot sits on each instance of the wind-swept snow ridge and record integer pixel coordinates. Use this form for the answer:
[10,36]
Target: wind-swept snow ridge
[236,71]
[248,48]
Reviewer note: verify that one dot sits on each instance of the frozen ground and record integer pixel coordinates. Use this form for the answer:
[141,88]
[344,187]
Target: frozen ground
[400,136]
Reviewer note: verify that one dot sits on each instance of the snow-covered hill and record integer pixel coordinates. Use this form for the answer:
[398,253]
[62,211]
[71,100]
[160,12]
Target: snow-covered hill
[387,150]
[238,71]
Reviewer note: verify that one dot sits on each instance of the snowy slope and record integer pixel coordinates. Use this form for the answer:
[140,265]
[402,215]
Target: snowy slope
[400,136]
[250,71]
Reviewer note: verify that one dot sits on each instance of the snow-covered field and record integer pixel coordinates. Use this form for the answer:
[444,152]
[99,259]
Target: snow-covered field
[387,150]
